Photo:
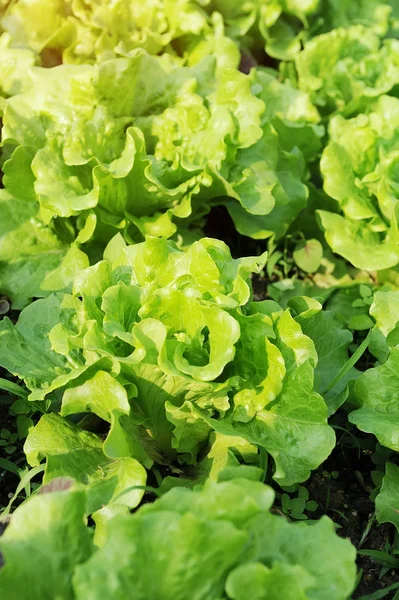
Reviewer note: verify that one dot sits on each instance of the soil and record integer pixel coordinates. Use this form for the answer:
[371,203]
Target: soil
[8,481]
[349,493]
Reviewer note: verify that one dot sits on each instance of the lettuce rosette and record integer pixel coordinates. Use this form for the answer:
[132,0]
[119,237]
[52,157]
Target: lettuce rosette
[282,27]
[277,27]
[169,349]
[219,541]
[346,69]
[143,146]
[76,31]
[360,171]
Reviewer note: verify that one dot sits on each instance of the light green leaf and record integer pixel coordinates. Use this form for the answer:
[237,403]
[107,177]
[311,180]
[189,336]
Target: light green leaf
[46,539]
[376,392]
[327,558]
[308,255]
[76,453]
[127,572]
[346,67]
[259,582]
[359,244]
[385,310]
[387,500]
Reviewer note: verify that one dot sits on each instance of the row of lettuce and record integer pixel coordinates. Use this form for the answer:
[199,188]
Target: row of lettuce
[146,144]
[146,352]
[160,358]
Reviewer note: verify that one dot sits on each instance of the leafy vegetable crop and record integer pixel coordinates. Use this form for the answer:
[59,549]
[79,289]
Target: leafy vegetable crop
[140,145]
[199,298]
[220,541]
[166,339]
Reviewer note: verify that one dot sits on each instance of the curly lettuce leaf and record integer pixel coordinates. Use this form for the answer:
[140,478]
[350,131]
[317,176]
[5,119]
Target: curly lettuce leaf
[206,543]
[72,452]
[81,32]
[268,184]
[359,170]
[376,394]
[347,68]
[160,344]
[277,26]
[138,145]
[46,539]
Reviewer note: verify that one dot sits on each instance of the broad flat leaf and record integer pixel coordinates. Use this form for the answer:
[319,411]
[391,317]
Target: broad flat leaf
[105,397]
[76,453]
[236,501]
[25,349]
[259,582]
[387,500]
[331,341]
[385,310]
[308,255]
[328,559]
[359,244]
[203,551]
[377,394]
[46,539]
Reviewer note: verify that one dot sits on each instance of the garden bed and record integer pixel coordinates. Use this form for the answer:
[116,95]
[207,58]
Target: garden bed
[199,300]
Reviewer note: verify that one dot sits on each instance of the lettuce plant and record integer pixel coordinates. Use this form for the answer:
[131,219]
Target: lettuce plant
[360,172]
[282,27]
[77,31]
[216,542]
[169,349]
[347,68]
[140,145]
[277,26]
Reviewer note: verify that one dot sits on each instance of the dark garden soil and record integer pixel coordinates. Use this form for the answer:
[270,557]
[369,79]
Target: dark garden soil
[8,481]
[342,487]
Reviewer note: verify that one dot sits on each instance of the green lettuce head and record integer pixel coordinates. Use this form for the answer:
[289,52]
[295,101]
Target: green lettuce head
[346,69]
[282,27]
[82,31]
[219,541]
[143,146]
[278,27]
[169,349]
[360,171]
